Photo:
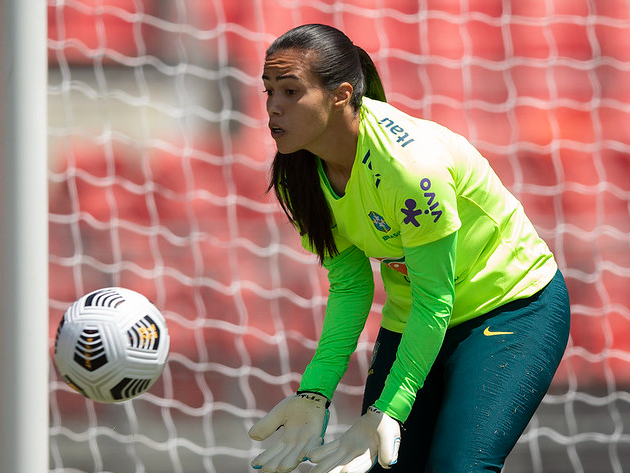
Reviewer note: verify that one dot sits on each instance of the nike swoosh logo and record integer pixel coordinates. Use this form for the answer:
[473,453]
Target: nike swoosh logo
[488,333]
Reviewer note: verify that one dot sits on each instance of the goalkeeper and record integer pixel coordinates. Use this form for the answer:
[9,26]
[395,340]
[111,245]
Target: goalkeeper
[476,318]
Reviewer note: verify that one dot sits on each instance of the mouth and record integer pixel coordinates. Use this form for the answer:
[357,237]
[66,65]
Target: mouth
[276,131]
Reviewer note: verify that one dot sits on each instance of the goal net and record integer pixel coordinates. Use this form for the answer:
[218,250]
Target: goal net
[159,157]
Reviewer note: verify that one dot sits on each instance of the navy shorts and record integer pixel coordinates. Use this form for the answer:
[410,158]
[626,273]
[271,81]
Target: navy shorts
[491,374]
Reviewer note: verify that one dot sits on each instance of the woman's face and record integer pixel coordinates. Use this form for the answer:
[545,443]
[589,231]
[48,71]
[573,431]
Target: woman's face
[298,106]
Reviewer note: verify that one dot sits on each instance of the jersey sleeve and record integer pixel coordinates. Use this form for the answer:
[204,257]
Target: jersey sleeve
[424,192]
[349,301]
[431,270]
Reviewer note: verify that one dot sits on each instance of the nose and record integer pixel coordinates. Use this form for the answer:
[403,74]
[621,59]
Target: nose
[273,107]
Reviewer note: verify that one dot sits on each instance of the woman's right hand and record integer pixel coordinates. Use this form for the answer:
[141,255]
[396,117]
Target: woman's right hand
[304,417]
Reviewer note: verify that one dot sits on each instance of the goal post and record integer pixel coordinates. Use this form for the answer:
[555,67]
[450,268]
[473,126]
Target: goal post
[24,334]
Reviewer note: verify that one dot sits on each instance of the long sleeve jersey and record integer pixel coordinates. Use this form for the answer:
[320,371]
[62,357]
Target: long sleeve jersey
[453,244]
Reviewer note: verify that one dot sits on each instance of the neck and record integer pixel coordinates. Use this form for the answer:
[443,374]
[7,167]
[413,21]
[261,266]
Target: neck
[340,146]
[339,153]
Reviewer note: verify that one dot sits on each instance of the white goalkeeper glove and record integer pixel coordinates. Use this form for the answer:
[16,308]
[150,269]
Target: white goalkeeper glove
[374,435]
[305,418]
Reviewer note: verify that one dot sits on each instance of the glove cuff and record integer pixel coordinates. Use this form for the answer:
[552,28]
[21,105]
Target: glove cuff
[376,410]
[314,396]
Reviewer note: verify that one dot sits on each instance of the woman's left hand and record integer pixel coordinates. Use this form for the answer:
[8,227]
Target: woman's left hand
[374,435]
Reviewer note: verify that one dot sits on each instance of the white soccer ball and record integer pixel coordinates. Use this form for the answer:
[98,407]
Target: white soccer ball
[111,345]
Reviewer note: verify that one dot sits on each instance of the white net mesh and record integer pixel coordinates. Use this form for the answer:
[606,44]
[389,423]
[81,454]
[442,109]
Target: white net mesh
[159,161]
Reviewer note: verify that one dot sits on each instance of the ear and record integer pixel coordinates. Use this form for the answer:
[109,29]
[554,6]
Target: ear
[342,95]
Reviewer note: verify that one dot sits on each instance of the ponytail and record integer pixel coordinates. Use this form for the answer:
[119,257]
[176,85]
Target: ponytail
[295,181]
[373,85]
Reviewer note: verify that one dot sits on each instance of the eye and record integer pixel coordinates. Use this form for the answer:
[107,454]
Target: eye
[290,91]
[267,91]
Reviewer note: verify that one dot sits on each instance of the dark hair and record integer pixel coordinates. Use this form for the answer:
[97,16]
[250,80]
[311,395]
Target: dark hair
[294,176]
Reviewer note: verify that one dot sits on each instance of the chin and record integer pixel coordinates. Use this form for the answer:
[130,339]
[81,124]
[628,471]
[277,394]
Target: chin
[287,149]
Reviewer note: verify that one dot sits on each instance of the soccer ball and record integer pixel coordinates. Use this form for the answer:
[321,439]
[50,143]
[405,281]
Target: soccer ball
[111,345]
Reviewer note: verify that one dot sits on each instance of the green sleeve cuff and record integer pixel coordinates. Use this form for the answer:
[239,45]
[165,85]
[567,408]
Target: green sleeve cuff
[349,301]
[431,269]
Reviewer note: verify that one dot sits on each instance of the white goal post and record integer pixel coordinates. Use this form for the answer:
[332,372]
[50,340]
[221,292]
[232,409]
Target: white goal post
[23,238]
[158,164]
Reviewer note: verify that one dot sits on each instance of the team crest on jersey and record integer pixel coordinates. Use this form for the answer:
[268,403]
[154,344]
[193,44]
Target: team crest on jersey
[379,222]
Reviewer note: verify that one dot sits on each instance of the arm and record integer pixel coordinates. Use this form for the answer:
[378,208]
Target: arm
[304,416]
[431,269]
[376,435]
[349,301]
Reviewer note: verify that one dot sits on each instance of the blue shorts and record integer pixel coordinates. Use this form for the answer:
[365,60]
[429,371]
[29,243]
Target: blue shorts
[488,379]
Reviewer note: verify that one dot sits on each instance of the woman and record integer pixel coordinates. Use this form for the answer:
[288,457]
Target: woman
[476,318]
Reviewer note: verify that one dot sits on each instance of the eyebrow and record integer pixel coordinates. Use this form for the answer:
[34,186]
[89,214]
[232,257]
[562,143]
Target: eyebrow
[285,76]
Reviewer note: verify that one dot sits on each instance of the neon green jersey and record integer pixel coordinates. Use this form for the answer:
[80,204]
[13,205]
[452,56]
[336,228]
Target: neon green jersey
[413,183]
